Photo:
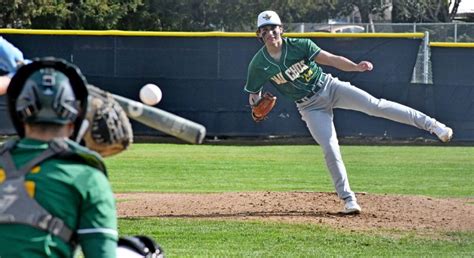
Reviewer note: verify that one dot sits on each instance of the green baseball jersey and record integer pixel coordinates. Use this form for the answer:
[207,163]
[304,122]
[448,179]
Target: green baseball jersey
[77,193]
[294,75]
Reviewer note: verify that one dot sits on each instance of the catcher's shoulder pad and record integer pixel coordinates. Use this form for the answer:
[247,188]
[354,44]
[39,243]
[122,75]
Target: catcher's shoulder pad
[63,149]
[37,216]
[263,106]
[83,154]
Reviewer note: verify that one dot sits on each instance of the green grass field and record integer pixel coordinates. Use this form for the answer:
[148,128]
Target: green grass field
[439,171]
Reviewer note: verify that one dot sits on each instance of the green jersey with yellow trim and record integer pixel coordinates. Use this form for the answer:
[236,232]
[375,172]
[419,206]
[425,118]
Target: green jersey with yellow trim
[294,75]
[77,193]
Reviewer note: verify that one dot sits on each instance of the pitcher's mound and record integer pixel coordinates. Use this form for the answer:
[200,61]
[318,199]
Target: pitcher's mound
[378,211]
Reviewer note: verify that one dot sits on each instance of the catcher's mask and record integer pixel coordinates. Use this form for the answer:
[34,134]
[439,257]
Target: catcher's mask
[48,90]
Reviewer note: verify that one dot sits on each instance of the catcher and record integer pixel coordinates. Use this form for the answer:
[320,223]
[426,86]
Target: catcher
[62,185]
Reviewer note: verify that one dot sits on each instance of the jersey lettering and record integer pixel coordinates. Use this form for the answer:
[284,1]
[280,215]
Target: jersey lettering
[279,79]
[307,75]
[293,72]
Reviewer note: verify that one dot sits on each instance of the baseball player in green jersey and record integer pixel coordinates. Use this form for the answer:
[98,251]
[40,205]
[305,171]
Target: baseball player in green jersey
[54,193]
[292,66]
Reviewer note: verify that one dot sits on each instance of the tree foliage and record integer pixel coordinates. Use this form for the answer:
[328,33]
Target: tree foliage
[16,13]
[366,8]
[192,15]
[198,15]
[99,14]
[423,10]
[65,14]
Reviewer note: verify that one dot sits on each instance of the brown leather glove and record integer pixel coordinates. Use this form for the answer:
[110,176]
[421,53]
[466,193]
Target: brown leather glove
[263,106]
[110,131]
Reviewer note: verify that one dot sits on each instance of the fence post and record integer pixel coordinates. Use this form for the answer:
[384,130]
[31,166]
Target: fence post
[302,27]
[426,58]
[455,32]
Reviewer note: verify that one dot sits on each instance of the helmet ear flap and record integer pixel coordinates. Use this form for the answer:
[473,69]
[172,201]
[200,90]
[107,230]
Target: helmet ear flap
[28,103]
[66,108]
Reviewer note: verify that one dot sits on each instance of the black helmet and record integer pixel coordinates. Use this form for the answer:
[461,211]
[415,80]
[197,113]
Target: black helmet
[48,90]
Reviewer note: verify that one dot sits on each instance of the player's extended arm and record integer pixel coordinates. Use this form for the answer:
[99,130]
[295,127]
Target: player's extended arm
[342,63]
[10,58]
[4,82]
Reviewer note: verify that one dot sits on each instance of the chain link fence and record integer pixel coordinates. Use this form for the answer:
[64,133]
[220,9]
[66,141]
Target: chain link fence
[422,72]
[439,32]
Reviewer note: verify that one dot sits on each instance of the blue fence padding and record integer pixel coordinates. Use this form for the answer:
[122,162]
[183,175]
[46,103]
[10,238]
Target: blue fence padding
[453,88]
[202,79]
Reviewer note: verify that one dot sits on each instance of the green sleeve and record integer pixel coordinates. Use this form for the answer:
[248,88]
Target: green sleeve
[99,247]
[97,231]
[312,49]
[255,78]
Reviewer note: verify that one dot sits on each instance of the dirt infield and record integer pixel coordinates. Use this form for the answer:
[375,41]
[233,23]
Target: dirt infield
[379,211]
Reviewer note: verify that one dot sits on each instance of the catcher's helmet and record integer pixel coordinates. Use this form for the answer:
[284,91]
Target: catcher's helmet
[48,90]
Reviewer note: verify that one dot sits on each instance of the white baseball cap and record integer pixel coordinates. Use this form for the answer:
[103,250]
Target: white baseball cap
[268,18]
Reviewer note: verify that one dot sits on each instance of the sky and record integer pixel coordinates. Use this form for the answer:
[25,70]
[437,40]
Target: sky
[466,6]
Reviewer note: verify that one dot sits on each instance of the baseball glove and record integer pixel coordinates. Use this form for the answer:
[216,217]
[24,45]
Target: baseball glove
[263,106]
[110,131]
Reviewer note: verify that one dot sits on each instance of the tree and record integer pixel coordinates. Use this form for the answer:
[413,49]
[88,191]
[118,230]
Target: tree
[16,13]
[454,11]
[193,15]
[209,15]
[424,10]
[98,14]
[366,8]
[64,14]
[145,17]
[50,15]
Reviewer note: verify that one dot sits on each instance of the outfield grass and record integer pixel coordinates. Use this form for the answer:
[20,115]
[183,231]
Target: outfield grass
[434,171]
[205,238]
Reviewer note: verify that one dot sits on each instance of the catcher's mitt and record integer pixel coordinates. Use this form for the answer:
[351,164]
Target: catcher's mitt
[110,131]
[263,106]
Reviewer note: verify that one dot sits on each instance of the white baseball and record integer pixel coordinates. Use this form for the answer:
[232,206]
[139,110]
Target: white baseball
[150,94]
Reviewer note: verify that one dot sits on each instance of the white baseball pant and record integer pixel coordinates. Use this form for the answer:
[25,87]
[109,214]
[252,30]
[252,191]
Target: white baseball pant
[317,112]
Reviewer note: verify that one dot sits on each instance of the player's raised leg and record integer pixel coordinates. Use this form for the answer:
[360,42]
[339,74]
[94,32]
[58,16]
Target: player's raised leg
[353,98]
